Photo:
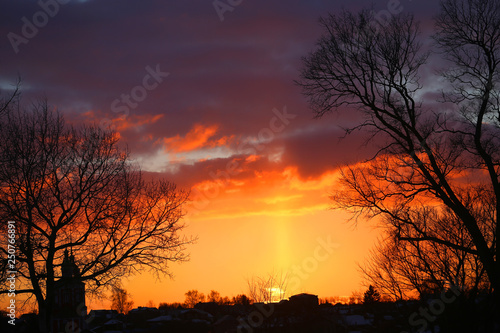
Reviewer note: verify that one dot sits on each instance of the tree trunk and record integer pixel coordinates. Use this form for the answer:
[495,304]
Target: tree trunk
[43,318]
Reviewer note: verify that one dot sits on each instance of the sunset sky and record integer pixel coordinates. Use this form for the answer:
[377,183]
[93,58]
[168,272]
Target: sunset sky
[213,107]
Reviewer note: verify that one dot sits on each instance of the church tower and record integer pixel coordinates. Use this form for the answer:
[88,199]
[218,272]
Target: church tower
[69,303]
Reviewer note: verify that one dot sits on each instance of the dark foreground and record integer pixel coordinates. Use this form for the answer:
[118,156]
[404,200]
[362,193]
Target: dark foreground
[302,314]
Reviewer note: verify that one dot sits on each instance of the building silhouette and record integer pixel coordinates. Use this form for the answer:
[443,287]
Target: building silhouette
[69,309]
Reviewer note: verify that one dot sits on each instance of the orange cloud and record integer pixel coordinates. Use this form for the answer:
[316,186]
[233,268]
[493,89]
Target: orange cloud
[135,121]
[199,136]
[252,158]
[279,192]
[277,199]
[121,124]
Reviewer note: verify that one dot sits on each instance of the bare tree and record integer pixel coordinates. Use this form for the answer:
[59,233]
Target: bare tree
[428,159]
[193,297]
[214,296]
[401,266]
[75,189]
[268,289]
[241,299]
[356,297]
[120,300]
[10,101]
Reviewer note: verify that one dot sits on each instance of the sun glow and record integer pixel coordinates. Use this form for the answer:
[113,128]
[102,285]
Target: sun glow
[277,294]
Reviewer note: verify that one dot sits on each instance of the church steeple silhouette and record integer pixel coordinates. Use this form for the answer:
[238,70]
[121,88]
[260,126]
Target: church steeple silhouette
[69,297]
[69,269]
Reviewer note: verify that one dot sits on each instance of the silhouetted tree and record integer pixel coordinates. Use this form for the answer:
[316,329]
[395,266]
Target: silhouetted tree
[371,296]
[225,301]
[270,288]
[241,299]
[11,100]
[120,300]
[214,296]
[167,306]
[430,163]
[356,297]
[405,269]
[193,297]
[75,188]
